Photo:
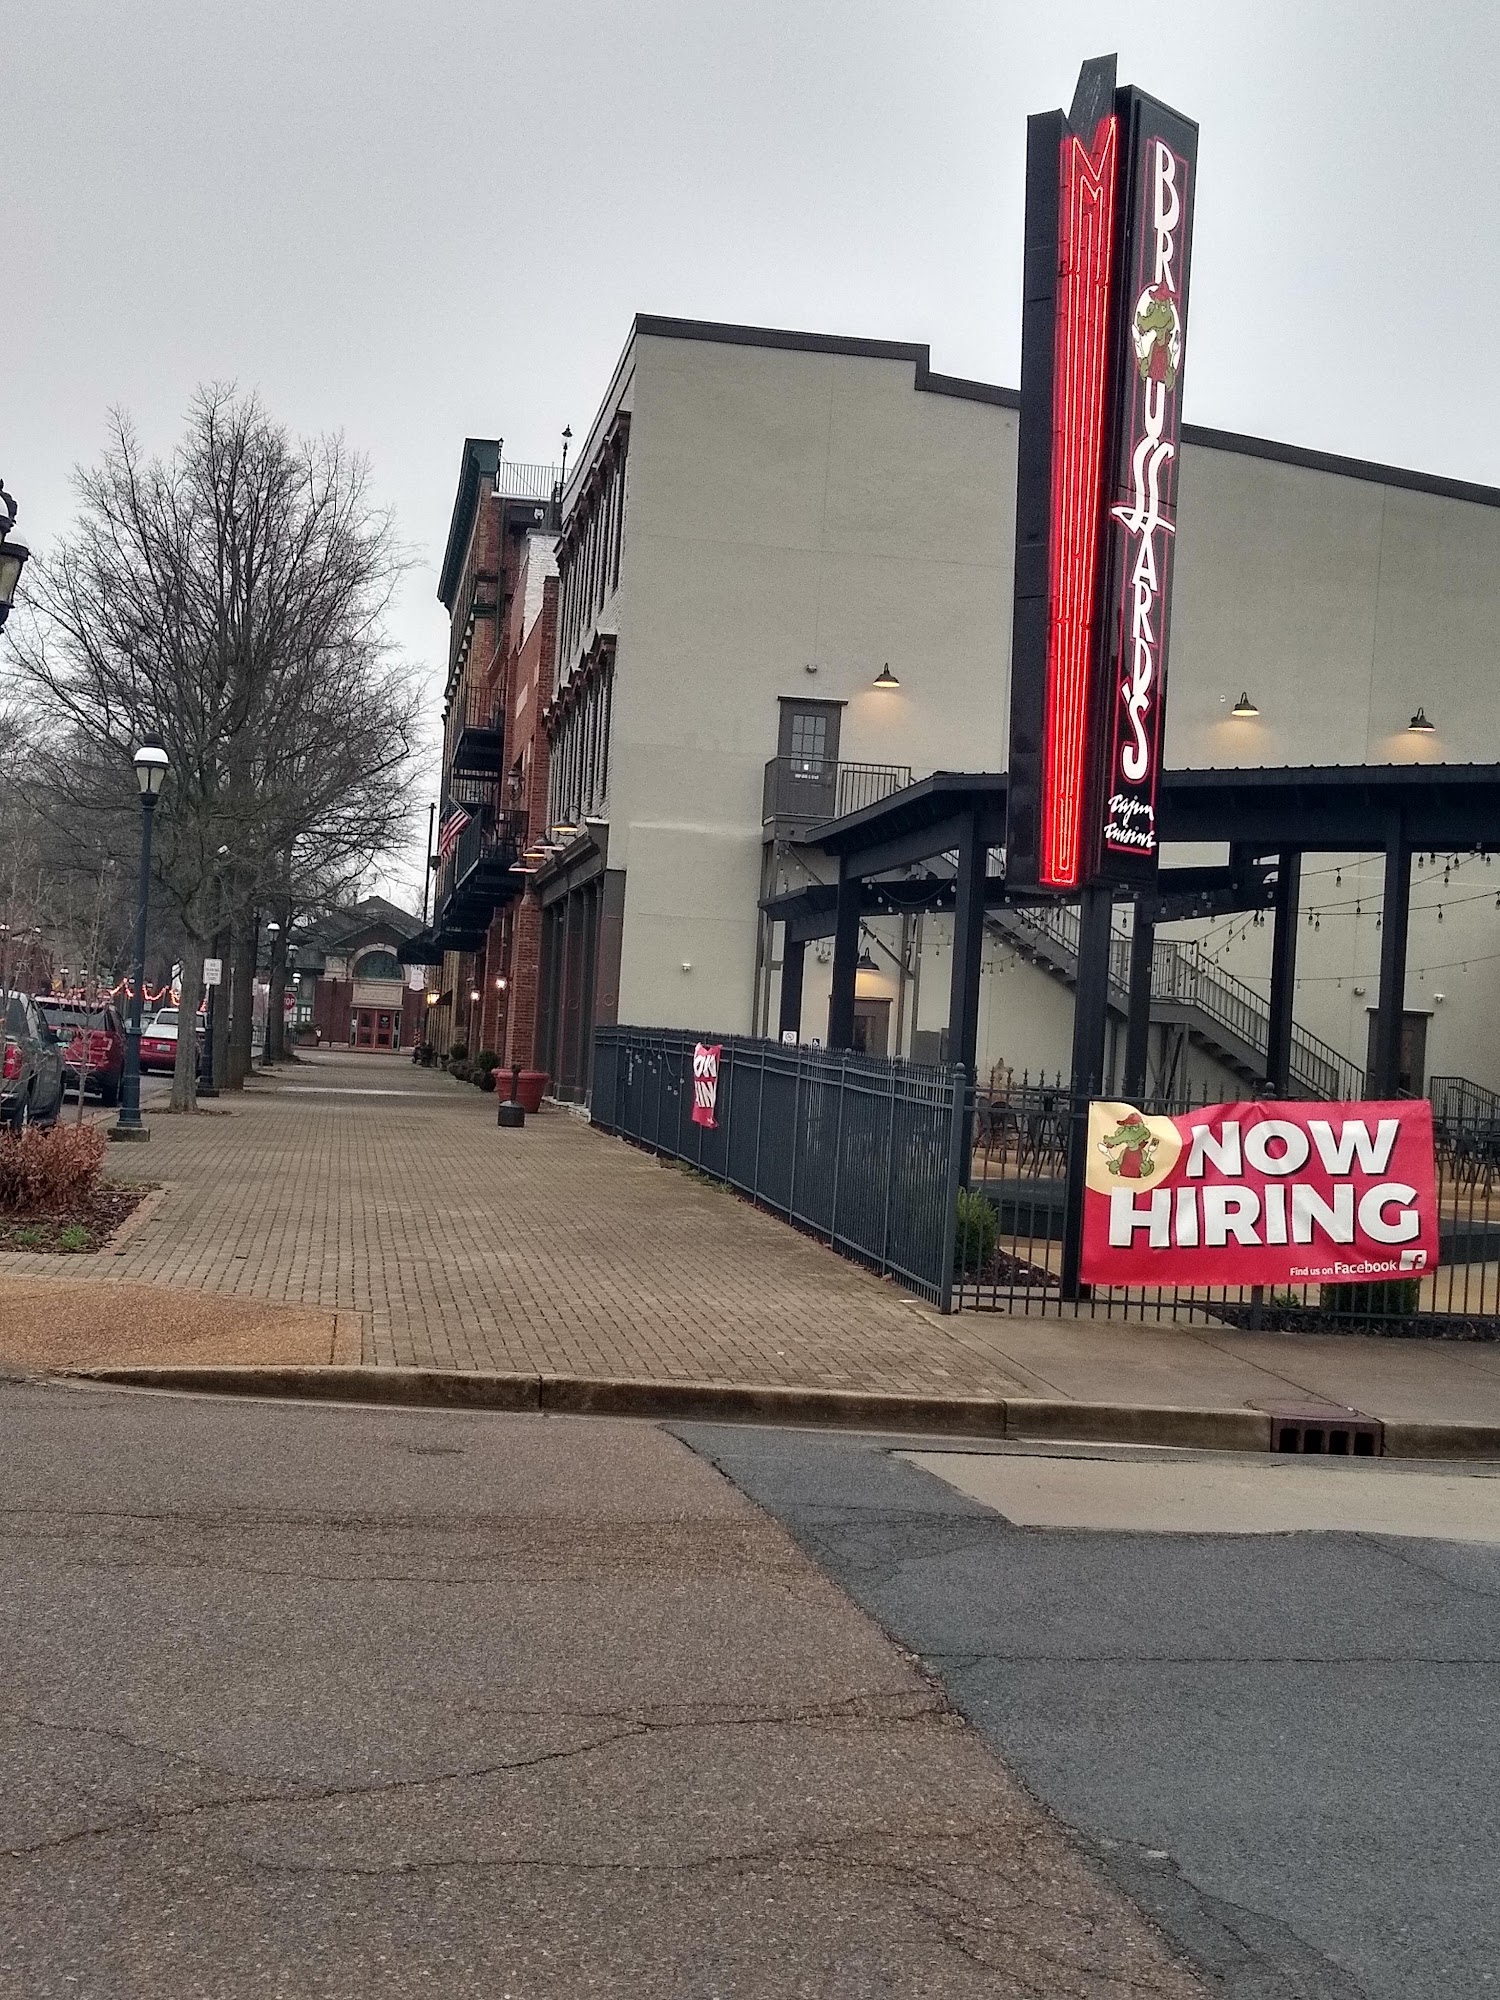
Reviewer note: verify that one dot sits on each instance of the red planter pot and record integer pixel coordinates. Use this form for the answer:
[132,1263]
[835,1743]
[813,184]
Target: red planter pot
[529,1088]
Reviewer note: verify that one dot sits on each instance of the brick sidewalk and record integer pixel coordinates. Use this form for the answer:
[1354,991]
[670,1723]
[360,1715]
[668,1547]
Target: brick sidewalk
[384,1198]
[364,1184]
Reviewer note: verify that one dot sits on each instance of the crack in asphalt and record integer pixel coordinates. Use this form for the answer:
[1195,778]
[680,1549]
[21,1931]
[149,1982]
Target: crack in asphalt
[634,1725]
[1386,1546]
[1267,1952]
[963,1661]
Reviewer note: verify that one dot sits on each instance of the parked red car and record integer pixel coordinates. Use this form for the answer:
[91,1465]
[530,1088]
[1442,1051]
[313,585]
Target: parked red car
[104,1049]
[159,1040]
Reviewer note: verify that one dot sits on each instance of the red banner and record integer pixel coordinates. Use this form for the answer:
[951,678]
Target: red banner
[1260,1194]
[706,1083]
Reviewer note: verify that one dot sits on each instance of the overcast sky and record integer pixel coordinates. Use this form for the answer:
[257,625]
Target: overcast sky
[414,222]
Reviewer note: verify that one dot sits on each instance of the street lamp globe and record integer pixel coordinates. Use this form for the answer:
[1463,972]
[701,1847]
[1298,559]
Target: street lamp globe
[150,768]
[13,556]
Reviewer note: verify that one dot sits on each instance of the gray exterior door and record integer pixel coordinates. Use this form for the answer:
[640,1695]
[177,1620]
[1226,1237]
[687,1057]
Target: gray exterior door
[808,749]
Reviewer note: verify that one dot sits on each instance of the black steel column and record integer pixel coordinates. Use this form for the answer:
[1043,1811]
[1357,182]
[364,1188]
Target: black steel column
[1287,908]
[128,1123]
[793,954]
[845,962]
[1385,1079]
[1090,1012]
[968,948]
[1138,1021]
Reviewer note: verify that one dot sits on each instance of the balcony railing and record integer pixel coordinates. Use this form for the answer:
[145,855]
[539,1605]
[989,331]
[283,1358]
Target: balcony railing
[516,481]
[478,877]
[476,734]
[811,790]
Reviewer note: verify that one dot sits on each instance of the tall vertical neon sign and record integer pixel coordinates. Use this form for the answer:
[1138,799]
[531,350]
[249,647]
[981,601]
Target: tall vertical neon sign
[1108,228]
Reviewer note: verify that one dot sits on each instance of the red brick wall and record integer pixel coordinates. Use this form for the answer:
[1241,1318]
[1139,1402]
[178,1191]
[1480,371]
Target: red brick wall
[528,691]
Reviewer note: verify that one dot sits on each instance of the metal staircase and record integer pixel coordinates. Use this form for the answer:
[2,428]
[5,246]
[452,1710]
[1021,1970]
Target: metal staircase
[1217,1012]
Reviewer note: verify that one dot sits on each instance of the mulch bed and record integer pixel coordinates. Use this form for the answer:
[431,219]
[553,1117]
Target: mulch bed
[86,1225]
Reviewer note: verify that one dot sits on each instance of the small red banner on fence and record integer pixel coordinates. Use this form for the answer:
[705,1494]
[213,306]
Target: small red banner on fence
[706,1082]
[1260,1194]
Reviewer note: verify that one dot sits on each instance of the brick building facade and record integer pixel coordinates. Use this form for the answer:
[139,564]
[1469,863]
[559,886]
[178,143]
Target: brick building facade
[499,587]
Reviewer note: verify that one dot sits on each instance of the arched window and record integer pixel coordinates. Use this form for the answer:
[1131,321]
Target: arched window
[377,965]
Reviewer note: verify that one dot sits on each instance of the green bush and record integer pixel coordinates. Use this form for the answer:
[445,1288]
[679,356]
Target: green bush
[486,1059]
[974,1244]
[458,1052]
[1374,1298]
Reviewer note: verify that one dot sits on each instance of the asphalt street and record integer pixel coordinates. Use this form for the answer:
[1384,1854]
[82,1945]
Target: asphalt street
[313,1702]
[1284,1745]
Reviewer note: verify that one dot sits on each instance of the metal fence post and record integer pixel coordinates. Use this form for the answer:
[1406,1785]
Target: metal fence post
[760,1126]
[890,1175]
[959,1087]
[838,1152]
[791,1193]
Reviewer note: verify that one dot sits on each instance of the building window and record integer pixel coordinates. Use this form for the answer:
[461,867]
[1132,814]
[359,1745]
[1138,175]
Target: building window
[578,786]
[809,741]
[377,965]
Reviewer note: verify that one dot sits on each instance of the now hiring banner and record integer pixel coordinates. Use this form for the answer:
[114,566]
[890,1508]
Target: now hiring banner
[1260,1194]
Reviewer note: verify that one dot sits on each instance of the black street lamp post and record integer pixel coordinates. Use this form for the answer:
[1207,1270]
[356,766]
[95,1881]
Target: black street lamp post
[150,771]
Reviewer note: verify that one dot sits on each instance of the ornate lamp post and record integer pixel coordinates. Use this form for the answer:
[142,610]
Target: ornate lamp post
[13,554]
[150,772]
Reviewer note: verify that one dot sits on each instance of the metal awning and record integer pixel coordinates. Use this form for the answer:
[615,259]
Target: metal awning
[1279,812]
[1330,808]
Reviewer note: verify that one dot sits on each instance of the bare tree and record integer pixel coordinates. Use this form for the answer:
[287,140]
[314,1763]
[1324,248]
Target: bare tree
[232,601]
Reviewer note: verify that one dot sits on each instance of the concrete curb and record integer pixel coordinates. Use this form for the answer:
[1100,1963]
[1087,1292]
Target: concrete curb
[718,1402]
[1405,1439]
[1028,1417]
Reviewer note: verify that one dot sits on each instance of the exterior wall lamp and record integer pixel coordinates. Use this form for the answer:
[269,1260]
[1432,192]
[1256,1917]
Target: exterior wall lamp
[1244,708]
[1420,723]
[885,678]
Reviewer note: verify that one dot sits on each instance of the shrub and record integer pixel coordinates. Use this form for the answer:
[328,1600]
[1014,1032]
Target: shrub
[459,1071]
[486,1079]
[457,1052]
[44,1173]
[1374,1298]
[486,1059]
[974,1244]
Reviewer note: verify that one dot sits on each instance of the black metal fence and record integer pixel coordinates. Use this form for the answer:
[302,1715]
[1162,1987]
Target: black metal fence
[863,1153]
[1018,1165]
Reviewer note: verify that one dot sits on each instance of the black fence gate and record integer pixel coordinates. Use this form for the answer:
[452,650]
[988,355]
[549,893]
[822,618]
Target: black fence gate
[864,1153]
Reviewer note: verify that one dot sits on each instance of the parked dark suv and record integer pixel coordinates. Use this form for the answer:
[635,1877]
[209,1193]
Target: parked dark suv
[31,1071]
[101,1058]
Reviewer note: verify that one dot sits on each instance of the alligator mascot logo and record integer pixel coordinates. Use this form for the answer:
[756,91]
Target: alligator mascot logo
[1157,336]
[1130,1150]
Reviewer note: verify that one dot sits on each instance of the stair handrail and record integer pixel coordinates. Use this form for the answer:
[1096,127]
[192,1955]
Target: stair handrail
[1182,971]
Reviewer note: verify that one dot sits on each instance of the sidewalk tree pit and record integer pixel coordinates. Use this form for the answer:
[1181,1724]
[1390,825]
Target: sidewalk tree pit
[52,1196]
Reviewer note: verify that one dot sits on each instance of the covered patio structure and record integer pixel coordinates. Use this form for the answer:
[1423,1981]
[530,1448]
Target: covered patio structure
[933,845]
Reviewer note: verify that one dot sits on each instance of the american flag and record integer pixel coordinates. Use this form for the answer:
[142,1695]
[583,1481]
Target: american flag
[450,830]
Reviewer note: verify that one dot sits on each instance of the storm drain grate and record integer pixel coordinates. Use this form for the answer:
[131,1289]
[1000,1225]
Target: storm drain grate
[1330,1433]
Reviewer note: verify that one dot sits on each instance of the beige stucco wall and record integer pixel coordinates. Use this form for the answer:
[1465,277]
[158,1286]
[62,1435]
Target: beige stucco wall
[783,510]
[786,509]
